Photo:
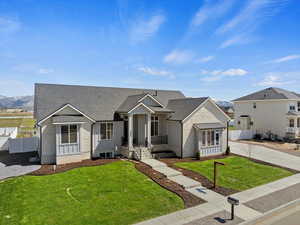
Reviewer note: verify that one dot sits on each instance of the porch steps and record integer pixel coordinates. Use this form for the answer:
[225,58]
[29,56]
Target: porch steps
[167,171]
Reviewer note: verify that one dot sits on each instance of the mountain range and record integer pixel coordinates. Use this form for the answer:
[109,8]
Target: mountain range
[18,102]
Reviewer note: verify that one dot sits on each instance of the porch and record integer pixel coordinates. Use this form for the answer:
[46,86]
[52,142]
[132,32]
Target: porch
[293,129]
[144,134]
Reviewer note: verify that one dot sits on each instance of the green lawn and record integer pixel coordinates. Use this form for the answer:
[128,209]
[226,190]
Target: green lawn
[238,174]
[114,194]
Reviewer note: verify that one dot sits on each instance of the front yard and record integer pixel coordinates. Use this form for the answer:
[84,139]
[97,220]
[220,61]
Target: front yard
[238,174]
[114,193]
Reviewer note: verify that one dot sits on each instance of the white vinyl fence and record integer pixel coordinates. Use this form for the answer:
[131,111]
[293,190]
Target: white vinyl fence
[20,145]
[235,135]
[7,133]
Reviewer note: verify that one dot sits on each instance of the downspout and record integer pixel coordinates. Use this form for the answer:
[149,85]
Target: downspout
[181,139]
[40,144]
[92,132]
[227,141]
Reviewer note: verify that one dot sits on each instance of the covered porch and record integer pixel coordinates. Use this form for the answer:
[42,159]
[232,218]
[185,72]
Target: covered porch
[293,128]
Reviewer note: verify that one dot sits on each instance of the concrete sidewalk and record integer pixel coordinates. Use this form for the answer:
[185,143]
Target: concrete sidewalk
[266,154]
[217,204]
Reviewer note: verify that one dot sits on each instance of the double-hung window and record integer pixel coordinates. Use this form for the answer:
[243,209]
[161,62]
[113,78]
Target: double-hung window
[69,134]
[106,131]
[292,108]
[154,125]
[292,123]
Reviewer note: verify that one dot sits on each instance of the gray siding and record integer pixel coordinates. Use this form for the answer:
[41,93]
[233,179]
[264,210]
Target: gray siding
[107,145]
[174,136]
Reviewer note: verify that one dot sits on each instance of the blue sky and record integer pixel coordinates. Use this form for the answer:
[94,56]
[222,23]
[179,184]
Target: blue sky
[223,49]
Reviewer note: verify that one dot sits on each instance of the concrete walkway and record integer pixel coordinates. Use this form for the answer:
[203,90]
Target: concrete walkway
[266,154]
[216,203]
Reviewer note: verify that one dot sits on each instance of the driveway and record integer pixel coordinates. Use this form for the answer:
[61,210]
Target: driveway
[12,165]
[266,154]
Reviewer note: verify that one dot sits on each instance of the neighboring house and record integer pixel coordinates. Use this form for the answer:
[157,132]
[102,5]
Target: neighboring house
[7,133]
[83,122]
[271,112]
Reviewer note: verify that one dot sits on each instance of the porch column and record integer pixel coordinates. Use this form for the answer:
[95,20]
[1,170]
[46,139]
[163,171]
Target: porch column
[149,129]
[130,131]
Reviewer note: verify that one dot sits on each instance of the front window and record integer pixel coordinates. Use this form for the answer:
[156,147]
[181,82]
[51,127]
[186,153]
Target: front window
[106,130]
[210,137]
[292,123]
[154,125]
[68,134]
[298,106]
[298,122]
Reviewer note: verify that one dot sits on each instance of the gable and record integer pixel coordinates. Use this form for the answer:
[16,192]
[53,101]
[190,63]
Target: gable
[208,113]
[150,102]
[141,109]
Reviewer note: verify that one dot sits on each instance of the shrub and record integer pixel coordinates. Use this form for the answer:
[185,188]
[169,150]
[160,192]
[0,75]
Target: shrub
[198,155]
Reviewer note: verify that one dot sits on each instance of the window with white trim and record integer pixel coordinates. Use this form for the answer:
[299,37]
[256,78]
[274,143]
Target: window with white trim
[210,138]
[106,130]
[68,134]
[298,104]
[154,125]
[292,107]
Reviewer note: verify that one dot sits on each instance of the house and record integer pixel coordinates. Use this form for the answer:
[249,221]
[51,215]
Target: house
[84,122]
[229,110]
[272,112]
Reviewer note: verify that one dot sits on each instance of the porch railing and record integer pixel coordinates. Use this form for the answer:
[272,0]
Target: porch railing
[159,140]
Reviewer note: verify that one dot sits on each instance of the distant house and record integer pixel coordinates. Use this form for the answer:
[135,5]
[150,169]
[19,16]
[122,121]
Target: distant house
[84,122]
[270,112]
[228,110]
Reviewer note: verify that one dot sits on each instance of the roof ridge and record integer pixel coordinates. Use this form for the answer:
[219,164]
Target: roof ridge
[142,89]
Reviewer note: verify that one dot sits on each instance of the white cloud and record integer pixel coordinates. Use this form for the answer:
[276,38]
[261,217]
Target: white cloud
[215,75]
[155,72]
[271,80]
[178,57]
[32,68]
[45,70]
[143,29]
[9,25]
[205,59]
[254,13]
[211,11]
[285,59]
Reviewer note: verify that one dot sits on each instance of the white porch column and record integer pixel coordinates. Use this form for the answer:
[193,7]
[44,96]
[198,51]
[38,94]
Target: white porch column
[130,131]
[149,129]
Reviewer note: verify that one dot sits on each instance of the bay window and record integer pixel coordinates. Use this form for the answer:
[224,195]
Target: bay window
[69,134]
[210,138]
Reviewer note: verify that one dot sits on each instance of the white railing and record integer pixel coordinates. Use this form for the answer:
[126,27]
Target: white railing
[294,130]
[207,151]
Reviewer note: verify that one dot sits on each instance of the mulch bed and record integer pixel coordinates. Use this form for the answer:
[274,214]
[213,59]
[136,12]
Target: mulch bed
[189,199]
[49,169]
[198,177]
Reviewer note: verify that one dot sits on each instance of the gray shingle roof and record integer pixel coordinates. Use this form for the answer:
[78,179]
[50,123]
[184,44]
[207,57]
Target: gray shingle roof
[100,103]
[269,94]
[184,107]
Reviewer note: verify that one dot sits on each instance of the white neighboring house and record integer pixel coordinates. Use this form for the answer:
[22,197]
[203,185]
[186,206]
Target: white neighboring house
[5,134]
[272,112]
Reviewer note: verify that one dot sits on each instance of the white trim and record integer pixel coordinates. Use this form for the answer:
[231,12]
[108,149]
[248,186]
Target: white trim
[265,100]
[202,104]
[141,104]
[148,95]
[77,136]
[65,123]
[157,125]
[58,110]
[112,131]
